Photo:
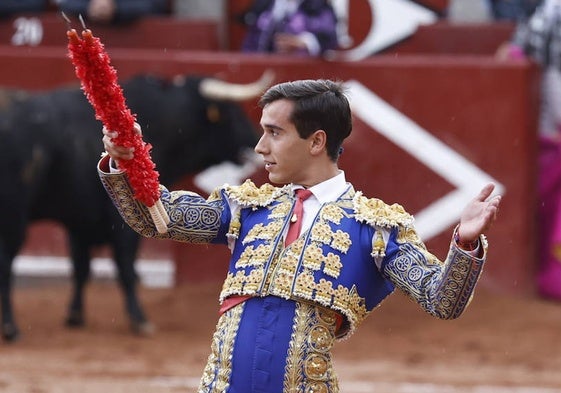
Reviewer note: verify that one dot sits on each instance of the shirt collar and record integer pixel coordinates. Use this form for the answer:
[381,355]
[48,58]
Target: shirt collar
[330,189]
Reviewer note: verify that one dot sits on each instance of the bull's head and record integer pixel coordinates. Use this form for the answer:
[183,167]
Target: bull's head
[196,123]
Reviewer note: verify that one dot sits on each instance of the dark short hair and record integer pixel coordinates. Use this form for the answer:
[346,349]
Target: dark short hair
[318,105]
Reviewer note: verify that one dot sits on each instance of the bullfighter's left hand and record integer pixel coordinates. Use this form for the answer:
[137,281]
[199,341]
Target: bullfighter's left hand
[479,215]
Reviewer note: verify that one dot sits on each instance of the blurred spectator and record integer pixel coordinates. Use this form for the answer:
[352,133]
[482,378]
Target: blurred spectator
[199,9]
[488,10]
[468,11]
[513,10]
[113,11]
[305,27]
[11,7]
[539,38]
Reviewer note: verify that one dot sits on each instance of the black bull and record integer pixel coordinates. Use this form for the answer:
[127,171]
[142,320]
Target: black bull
[49,146]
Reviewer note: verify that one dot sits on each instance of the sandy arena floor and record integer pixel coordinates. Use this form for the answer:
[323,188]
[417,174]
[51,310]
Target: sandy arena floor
[501,344]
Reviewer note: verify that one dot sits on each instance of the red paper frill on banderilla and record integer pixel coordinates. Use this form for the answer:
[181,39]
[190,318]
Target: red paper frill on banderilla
[99,83]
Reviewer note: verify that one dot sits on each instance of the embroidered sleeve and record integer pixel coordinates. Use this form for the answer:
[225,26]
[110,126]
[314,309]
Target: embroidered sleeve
[443,289]
[192,218]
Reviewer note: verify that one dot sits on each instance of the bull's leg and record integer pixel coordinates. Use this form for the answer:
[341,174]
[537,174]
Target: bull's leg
[125,255]
[12,236]
[81,258]
[10,331]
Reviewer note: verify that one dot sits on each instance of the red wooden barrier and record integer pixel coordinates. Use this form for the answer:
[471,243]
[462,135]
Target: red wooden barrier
[443,38]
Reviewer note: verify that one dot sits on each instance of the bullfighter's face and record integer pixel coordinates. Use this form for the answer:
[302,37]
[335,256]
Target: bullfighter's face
[286,155]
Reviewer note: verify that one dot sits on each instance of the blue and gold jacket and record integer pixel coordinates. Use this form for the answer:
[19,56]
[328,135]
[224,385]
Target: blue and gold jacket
[353,256]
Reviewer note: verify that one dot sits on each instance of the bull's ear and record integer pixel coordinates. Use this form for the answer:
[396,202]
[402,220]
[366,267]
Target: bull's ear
[5,99]
[179,80]
[213,113]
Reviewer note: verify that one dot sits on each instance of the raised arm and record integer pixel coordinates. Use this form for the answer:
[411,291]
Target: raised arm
[444,289]
[193,218]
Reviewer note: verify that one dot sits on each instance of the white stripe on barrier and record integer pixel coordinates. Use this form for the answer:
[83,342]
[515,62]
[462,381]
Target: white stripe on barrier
[155,273]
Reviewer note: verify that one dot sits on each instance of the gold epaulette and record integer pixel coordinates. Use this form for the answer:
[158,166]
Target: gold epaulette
[248,194]
[377,213]
[214,195]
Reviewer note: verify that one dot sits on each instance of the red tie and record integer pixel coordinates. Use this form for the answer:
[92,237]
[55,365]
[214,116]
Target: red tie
[297,215]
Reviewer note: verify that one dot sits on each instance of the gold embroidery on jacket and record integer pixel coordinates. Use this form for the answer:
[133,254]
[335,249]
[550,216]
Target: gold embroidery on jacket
[313,257]
[235,225]
[309,368]
[280,210]
[218,369]
[284,278]
[377,213]
[332,213]
[321,232]
[249,195]
[290,273]
[263,232]
[333,265]
[254,256]
[240,283]
[341,241]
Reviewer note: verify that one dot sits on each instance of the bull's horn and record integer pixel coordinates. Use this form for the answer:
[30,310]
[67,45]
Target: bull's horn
[216,89]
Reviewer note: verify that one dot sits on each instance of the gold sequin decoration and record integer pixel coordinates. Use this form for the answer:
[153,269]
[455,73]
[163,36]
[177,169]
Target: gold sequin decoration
[351,305]
[379,246]
[254,280]
[327,316]
[377,213]
[321,232]
[234,229]
[285,275]
[313,257]
[315,367]
[280,210]
[408,235]
[297,246]
[254,256]
[317,387]
[263,232]
[308,363]
[248,194]
[320,339]
[332,213]
[305,285]
[240,283]
[333,265]
[341,241]
[324,292]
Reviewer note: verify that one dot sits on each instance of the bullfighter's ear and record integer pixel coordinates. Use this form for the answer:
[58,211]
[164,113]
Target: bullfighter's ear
[179,80]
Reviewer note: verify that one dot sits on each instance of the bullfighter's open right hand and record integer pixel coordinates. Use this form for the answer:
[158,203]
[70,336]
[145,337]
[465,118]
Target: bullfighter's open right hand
[117,152]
